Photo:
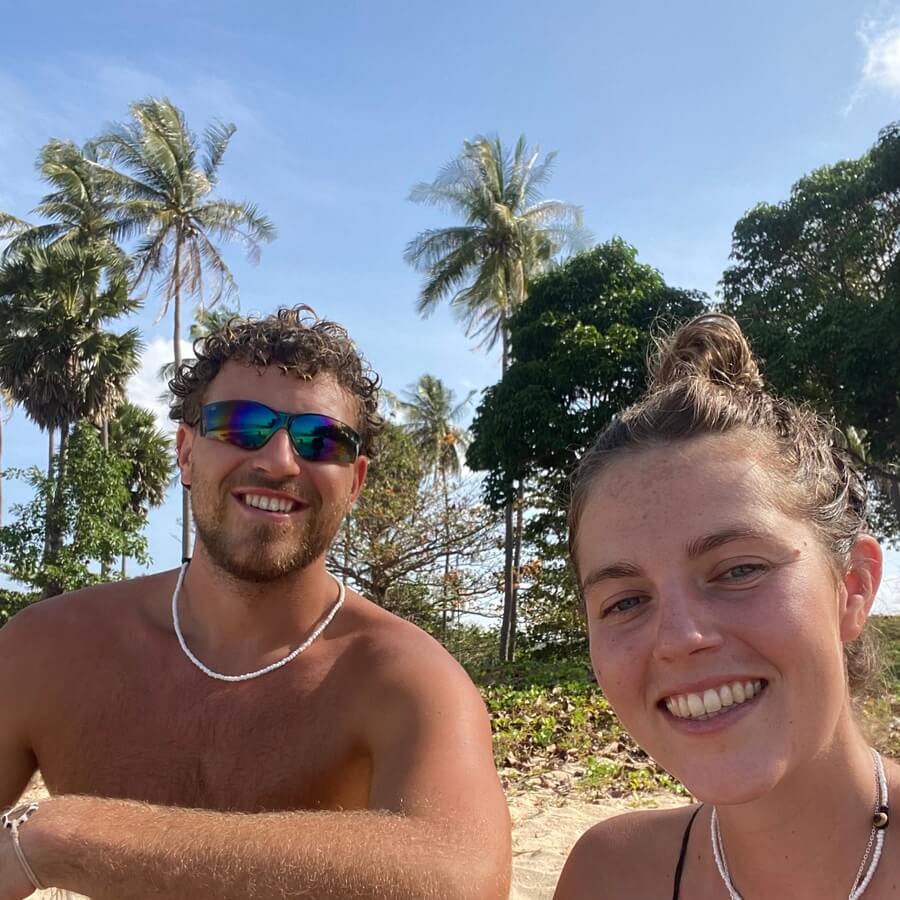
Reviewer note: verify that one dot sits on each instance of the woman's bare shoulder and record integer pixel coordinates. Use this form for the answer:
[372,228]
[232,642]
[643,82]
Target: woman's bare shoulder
[627,856]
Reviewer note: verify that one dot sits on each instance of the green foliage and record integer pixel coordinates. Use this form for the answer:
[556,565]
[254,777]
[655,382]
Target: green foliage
[12,602]
[545,716]
[579,346]
[816,286]
[95,519]
[396,543]
[509,233]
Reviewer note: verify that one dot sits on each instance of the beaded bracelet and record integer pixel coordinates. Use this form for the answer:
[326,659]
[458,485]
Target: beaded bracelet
[12,821]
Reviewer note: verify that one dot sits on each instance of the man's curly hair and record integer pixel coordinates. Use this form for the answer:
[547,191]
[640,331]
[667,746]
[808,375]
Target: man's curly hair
[296,340]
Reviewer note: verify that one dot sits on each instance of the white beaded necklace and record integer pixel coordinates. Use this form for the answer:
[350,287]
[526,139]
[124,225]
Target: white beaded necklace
[872,856]
[323,624]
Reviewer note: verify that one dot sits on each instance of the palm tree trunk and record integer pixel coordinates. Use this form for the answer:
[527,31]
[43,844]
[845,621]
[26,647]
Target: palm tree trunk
[507,623]
[104,437]
[444,585]
[53,540]
[517,567]
[186,547]
[1,469]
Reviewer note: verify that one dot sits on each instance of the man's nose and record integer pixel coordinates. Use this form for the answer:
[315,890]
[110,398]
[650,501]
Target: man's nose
[277,456]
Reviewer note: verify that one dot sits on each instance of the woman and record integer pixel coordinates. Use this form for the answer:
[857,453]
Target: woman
[718,536]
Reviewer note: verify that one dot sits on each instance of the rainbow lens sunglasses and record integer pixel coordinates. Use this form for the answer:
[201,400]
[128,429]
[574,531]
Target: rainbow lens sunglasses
[249,425]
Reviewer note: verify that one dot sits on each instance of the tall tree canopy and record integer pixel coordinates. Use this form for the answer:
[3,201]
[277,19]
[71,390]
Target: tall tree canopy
[579,346]
[508,233]
[816,285]
[164,178]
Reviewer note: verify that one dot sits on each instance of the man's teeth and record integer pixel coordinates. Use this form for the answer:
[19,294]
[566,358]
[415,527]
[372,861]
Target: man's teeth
[713,701]
[272,504]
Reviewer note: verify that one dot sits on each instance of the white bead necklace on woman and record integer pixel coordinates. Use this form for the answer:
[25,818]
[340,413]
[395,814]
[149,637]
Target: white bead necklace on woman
[323,624]
[870,859]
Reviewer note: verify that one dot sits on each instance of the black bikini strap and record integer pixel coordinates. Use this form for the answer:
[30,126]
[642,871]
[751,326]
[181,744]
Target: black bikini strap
[684,845]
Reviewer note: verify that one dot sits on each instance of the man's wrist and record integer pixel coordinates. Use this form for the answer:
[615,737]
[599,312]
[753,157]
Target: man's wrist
[46,843]
[12,821]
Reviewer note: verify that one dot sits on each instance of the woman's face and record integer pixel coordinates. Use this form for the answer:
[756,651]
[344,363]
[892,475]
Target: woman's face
[715,620]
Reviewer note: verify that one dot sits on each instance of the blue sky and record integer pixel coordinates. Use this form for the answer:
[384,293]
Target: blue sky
[670,121]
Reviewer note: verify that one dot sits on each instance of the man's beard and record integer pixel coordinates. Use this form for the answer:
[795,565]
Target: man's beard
[265,551]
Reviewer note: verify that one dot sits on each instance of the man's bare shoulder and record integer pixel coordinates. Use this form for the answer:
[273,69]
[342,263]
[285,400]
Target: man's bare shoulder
[394,650]
[627,856]
[80,618]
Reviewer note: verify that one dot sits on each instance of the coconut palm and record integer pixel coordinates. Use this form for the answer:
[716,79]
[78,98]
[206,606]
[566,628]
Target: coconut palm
[165,176]
[432,420]
[508,234]
[80,209]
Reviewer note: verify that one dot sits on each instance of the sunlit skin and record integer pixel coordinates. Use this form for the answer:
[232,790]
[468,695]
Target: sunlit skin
[365,761]
[259,547]
[696,573]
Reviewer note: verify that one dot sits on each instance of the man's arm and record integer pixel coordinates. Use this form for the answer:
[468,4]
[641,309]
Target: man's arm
[439,825]
[17,761]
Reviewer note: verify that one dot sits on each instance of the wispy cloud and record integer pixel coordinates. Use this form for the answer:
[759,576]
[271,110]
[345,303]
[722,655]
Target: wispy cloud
[880,37]
[145,388]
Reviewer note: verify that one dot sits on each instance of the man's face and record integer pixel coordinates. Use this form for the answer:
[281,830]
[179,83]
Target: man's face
[228,484]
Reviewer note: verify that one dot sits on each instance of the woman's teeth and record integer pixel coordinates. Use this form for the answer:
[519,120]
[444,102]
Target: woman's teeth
[713,701]
[272,504]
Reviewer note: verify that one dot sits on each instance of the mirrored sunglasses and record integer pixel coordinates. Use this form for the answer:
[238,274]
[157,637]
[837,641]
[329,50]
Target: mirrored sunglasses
[249,425]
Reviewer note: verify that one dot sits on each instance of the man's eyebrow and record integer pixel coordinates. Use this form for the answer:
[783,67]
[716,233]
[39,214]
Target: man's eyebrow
[614,570]
[699,546]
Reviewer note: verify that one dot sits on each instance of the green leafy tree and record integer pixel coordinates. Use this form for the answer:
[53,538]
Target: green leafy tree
[509,233]
[579,346]
[149,456]
[394,543]
[816,285]
[80,208]
[96,521]
[164,177]
[6,405]
[432,420]
[56,360]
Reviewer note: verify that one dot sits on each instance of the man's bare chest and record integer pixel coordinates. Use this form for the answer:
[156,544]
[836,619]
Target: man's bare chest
[184,741]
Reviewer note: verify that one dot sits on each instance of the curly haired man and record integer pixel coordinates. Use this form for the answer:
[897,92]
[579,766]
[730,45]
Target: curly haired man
[247,727]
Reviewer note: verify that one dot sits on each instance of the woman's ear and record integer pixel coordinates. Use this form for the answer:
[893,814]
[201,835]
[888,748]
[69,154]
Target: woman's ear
[861,581]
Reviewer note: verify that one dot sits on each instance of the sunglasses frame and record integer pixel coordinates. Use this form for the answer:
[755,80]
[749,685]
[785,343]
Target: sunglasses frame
[284,421]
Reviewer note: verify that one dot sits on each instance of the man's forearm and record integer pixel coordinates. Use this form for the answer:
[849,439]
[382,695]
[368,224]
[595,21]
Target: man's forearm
[119,850]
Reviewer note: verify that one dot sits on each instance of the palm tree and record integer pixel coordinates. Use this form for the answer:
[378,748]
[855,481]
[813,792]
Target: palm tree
[56,361]
[80,209]
[133,436]
[509,234]
[6,403]
[164,181]
[432,422]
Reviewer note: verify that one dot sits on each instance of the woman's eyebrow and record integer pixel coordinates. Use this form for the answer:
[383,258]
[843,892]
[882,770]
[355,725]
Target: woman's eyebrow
[697,547]
[614,570]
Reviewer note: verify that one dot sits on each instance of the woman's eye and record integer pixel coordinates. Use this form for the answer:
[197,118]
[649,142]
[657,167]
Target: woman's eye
[626,604]
[742,571]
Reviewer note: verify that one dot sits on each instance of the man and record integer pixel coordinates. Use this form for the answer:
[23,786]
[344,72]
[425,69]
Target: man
[251,730]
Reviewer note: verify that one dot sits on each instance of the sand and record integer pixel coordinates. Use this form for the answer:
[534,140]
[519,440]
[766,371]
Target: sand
[548,817]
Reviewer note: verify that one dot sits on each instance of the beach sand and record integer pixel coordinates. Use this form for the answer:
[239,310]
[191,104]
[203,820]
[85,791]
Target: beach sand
[548,818]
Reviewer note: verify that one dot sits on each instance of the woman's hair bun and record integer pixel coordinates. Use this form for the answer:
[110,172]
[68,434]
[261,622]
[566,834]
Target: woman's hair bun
[710,347]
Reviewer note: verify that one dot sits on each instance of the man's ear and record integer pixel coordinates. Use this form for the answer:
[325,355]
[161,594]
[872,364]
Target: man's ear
[184,445]
[861,581]
[360,469]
